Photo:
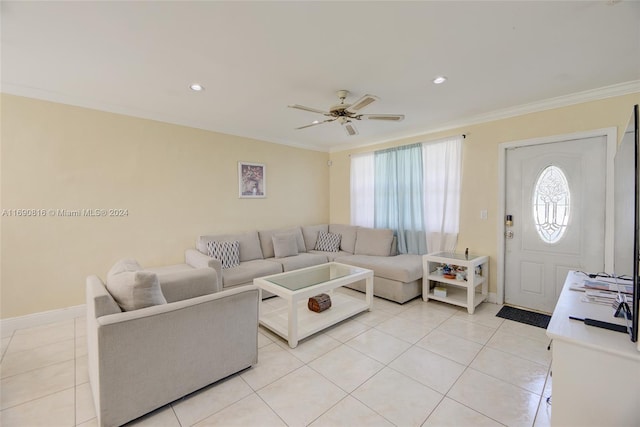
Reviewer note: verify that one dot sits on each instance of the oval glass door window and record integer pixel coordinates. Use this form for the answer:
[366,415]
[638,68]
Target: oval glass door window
[551,204]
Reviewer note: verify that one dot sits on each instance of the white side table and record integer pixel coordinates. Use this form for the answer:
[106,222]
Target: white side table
[467,293]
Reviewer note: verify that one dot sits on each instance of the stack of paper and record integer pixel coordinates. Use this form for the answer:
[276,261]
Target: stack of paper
[626,287]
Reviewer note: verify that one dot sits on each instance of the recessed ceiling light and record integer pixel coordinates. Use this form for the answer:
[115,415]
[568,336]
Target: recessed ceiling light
[196,87]
[439,80]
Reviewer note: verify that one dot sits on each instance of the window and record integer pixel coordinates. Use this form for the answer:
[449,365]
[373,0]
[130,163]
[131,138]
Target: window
[551,204]
[430,173]
[362,190]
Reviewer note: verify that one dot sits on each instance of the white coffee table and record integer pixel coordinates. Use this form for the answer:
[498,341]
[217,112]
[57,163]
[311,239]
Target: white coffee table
[295,321]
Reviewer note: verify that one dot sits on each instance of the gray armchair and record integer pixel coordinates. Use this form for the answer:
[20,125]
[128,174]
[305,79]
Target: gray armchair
[143,359]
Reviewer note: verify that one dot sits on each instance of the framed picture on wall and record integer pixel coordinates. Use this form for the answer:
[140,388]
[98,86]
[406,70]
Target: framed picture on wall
[252,180]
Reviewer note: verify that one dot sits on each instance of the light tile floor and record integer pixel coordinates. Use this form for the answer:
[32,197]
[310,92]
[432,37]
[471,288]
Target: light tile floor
[428,364]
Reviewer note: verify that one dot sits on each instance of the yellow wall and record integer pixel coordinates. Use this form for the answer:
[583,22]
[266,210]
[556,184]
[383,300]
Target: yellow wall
[179,182]
[480,163]
[176,183]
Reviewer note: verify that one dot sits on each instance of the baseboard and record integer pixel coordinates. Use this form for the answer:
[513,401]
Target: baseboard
[10,325]
[493,298]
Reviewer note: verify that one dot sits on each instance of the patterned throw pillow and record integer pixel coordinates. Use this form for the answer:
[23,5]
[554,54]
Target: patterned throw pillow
[328,242]
[228,253]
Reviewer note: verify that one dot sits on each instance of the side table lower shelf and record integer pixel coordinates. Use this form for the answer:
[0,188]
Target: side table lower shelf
[457,296]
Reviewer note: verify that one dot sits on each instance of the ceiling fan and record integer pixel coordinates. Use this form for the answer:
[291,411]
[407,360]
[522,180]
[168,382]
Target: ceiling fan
[345,114]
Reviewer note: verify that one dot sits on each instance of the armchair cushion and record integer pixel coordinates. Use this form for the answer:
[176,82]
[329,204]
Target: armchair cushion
[133,288]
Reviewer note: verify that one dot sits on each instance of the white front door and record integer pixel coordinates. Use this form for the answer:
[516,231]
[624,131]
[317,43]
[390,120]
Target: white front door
[555,195]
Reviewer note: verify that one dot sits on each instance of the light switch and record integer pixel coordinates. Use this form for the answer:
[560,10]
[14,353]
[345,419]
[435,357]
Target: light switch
[483,214]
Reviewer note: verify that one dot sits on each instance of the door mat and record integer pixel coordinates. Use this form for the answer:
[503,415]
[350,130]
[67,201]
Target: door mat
[523,316]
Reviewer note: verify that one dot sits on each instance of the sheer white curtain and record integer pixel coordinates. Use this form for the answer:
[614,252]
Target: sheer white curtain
[362,189]
[442,177]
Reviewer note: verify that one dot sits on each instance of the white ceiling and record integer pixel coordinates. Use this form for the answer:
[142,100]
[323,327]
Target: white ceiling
[255,58]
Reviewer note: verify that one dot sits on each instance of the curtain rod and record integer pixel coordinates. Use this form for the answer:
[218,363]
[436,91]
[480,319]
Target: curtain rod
[464,136]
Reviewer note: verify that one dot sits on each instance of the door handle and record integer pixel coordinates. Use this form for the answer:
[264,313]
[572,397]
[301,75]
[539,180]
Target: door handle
[508,234]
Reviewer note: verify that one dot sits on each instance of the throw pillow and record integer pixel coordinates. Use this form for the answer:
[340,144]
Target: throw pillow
[133,288]
[228,253]
[374,241]
[123,265]
[328,242]
[285,245]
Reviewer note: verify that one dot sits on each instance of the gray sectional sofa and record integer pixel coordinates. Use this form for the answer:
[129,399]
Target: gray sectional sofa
[396,277]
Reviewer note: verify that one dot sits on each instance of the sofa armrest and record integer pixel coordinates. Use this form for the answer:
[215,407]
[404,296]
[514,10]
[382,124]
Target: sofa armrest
[197,259]
[99,300]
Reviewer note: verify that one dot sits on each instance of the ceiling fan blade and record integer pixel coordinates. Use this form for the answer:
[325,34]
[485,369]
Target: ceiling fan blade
[313,110]
[388,117]
[316,122]
[362,103]
[349,128]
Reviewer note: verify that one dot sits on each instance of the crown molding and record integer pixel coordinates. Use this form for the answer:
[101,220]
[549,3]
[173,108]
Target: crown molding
[620,89]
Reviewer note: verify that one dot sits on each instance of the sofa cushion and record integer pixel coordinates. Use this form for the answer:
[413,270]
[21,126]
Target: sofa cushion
[403,268]
[331,256]
[249,244]
[247,271]
[266,241]
[374,241]
[301,261]
[228,253]
[310,234]
[328,242]
[132,287]
[284,245]
[348,233]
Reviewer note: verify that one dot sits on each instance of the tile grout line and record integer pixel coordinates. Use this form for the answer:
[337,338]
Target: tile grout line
[485,345]
[466,368]
[385,365]
[411,345]
[42,366]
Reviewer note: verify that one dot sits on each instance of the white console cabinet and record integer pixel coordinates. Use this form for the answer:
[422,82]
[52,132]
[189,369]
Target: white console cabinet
[596,372]
[467,293]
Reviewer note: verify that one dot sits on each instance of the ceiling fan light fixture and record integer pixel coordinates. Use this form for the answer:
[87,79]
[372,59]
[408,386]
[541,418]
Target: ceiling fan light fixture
[439,80]
[349,128]
[196,87]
